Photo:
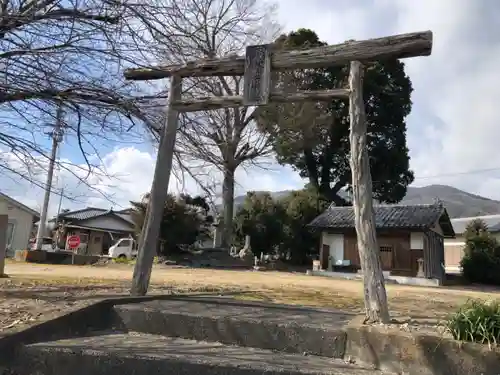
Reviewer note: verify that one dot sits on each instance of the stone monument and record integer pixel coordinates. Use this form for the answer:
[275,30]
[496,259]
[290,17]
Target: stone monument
[218,227]
[246,252]
[420,271]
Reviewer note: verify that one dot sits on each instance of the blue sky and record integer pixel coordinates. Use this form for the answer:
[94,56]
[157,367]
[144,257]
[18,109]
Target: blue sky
[453,127]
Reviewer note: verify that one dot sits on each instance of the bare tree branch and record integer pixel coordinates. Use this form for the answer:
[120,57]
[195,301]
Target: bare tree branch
[70,51]
[185,30]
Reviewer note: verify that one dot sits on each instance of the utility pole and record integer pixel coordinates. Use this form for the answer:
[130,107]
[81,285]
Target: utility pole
[56,135]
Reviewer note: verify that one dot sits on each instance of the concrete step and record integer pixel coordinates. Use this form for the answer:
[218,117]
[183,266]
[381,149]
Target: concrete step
[139,353]
[283,328]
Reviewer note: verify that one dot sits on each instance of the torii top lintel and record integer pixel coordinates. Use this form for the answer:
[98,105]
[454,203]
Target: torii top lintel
[395,47]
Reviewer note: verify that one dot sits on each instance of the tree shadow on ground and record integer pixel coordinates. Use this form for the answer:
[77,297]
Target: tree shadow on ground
[72,293]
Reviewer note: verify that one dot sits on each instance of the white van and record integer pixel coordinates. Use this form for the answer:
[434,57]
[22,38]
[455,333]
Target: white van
[124,248]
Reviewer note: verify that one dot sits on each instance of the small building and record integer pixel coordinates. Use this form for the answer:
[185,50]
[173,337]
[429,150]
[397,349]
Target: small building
[405,234]
[97,228]
[454,247]
[21,220]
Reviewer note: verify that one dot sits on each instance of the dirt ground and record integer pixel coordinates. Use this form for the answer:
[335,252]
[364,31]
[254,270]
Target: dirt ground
[34,292]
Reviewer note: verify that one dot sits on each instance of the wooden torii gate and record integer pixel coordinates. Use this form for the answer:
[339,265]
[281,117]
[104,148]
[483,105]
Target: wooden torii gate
[256,67]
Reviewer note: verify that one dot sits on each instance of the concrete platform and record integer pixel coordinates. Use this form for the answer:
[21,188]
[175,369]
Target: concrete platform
[221,336]
[127,354]
[274,327]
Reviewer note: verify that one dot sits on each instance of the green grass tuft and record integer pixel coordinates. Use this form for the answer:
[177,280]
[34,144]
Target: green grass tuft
[132,261]
[476,321]
[123,261]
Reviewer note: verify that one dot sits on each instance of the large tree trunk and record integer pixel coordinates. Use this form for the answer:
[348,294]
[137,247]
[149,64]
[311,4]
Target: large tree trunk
[364,218]
[228,203]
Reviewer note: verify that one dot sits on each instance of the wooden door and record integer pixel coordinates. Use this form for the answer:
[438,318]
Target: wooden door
[351,252]
[386,257]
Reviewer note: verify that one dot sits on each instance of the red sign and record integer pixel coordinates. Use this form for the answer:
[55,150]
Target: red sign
[73,242]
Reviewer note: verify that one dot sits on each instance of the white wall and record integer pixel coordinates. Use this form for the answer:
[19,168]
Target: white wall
[107,222]
[458,240]
[336,243]
[453,253]
[417,241]
[22,222]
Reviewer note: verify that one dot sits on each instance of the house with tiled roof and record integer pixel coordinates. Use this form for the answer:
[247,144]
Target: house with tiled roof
[405,233]
[97,228]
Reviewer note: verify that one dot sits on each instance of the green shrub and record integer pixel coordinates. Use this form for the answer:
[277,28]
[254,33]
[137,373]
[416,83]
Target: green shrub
[279,225]
[481,266]
[476,321]
[185,220]
[481,261]
[262,218]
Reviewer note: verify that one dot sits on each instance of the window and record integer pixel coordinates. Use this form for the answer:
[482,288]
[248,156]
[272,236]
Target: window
[84,238]
[124,243]
[385,249]
[47,241]
[97,239]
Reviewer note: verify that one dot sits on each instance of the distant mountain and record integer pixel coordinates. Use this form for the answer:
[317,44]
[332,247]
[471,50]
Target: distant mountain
[458,203]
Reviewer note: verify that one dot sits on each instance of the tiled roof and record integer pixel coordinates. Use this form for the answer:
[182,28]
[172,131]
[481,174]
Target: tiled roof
[386,216]
[494,228]
[125,216]
[91,212]
[86,213]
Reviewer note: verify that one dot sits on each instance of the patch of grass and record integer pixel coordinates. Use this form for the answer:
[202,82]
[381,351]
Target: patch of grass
[123,260]
[132,261]
[476,321]
[23,281]
[63,281]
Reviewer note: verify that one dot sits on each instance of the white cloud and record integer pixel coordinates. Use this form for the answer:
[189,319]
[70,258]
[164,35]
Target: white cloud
[275,178]
[457,86]
[131,170]
[125,174]
[453,127]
